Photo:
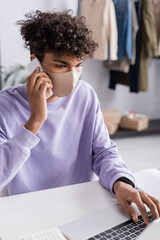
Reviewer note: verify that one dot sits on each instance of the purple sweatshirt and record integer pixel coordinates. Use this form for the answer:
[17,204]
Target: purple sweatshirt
[71,147]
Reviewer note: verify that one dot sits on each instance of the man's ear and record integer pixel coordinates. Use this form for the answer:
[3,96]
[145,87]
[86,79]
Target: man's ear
[32,57]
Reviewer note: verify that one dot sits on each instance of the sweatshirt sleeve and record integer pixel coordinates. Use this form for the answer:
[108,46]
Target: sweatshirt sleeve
[107,163]
[14,152]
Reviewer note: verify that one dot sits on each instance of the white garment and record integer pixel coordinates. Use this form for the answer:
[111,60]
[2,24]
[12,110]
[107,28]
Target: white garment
[101,19]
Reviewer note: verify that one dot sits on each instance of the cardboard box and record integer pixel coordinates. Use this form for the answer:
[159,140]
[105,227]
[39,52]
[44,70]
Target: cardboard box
[112,128]
[111,116]
[112,119]
[137,124]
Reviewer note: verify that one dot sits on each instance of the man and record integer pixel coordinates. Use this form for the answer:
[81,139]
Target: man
[60,140]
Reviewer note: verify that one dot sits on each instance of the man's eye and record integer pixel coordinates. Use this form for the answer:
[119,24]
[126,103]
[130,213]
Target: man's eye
[60,66]
[80,65]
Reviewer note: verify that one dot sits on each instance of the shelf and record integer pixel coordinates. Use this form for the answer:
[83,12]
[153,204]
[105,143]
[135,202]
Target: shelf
[154,128]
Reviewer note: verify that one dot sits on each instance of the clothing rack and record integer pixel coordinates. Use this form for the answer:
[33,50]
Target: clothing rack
[154,125]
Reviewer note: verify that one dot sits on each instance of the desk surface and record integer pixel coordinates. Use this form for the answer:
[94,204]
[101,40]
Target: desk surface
[42,210]
[47,209]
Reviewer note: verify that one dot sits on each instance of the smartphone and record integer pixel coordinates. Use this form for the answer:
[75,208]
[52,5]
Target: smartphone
[31,68]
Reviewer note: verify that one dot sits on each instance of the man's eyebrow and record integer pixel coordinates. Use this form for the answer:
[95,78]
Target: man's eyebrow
[57,60]
[67,63]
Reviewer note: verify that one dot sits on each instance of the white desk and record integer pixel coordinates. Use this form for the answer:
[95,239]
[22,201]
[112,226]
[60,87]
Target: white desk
[47,209]
[42,210]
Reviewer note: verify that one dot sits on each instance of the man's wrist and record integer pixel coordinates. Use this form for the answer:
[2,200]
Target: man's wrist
[33,126]
[124,180]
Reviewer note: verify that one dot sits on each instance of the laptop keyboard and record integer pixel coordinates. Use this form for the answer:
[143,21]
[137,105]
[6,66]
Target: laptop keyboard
[126,231]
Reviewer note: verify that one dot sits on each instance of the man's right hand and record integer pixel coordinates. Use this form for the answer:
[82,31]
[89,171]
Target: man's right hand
[37,85]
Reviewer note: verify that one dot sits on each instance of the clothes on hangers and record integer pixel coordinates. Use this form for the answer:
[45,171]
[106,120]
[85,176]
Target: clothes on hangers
[156,12]
[130,79]
[99,14]
[123,10]
[149,47]
[146,47]
[124,64]
[135,27]
[101,19]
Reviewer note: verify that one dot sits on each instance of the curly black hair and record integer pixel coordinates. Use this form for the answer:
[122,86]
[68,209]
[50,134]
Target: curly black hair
[57,32]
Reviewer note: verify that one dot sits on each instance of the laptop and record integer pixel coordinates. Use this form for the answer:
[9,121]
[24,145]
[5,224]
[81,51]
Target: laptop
[98,226]
[110,223]
[113,216]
